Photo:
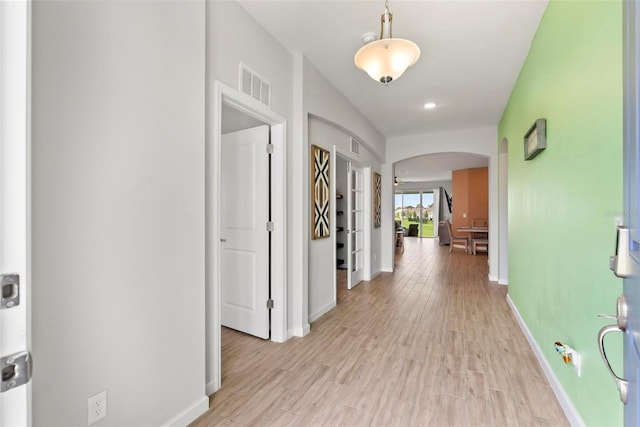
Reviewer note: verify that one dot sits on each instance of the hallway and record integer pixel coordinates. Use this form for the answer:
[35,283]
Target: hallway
[433,344]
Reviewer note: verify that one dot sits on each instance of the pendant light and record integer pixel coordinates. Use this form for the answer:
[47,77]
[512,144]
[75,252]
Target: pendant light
[386,59]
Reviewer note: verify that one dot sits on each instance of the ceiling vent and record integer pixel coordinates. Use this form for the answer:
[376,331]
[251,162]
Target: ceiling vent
[355,146]
[255,85]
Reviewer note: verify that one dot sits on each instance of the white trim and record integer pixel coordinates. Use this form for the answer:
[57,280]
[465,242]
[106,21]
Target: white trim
[299,332]
[211,387]
[189,415]
[567,406]
[251,107]
[386,270]
[492,278]
[15,193]
[503,281]
[334,221]
[367,175]
[319,313]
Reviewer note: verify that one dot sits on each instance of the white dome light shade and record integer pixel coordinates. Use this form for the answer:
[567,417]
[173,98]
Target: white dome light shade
[386,59]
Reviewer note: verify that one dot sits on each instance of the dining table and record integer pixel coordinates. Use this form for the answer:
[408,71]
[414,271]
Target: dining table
[473,230]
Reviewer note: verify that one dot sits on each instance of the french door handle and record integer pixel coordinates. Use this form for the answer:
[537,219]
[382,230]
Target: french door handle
[622,384]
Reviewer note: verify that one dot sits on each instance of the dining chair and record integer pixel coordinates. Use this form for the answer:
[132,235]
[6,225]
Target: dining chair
[480,222]
[457,241]
[479,245]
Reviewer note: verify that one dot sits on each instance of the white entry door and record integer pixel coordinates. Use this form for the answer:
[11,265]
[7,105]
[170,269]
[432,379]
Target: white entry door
[244,238]
[632,209]
[15,361]
[626,262]
[355,225]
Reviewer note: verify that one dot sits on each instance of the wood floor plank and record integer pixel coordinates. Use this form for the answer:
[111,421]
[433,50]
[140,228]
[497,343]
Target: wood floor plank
[431,344]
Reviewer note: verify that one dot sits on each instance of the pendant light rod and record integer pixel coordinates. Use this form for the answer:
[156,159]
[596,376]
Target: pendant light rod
[385,22]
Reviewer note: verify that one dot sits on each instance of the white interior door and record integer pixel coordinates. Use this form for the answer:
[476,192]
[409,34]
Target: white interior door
[14,298]
[244,239]
[355,225]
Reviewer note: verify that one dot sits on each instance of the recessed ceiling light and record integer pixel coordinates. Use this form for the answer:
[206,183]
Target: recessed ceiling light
[430,105]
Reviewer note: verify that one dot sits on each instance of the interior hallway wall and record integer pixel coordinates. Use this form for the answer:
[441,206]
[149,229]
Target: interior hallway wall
[118,210]
[563,204]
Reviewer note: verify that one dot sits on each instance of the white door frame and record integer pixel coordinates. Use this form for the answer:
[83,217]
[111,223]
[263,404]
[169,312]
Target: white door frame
[15,248]
[368,221]
[251,107]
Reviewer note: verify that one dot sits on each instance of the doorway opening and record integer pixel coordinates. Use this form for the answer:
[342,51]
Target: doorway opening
[503,212]
[227,166]
[352,213]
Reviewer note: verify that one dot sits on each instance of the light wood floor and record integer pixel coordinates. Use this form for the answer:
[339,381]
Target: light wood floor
[433,344]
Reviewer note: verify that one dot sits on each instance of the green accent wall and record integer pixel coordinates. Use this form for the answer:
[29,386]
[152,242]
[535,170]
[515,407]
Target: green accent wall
[563,204]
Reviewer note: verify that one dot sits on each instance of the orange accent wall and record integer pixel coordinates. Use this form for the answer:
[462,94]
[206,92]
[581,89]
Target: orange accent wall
[470,193]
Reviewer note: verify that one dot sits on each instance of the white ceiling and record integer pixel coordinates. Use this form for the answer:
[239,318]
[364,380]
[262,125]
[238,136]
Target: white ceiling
[436,167]
[471,54]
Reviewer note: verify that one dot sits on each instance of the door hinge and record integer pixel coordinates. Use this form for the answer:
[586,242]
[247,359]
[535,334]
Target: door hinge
[269,148]
[10,287]
[16,370]
[270,226]
[269,304]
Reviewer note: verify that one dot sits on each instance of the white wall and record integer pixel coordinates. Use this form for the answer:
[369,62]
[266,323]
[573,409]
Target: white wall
[233,36]
[330,120]
[118,210]
[321,251]
[476,141]
[323,100]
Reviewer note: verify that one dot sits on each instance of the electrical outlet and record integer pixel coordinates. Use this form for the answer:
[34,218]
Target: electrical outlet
[97,407]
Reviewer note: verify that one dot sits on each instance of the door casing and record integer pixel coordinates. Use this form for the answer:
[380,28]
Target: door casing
[253,108]
[15,245]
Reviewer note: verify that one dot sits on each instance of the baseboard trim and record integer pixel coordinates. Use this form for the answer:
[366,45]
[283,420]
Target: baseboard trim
[386,270]
[299,332]
[211,387]
[190,414]
[570,411]
[492,278]
[503,281]
[315,316]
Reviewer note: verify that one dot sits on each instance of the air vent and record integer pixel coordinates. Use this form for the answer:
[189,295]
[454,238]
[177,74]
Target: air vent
[255,85]
[355,146]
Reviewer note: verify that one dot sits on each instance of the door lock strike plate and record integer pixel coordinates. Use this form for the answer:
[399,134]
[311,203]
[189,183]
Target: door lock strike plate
[10,288]
[16,370]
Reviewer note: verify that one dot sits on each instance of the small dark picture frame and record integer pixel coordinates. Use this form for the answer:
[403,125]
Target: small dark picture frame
[535,140]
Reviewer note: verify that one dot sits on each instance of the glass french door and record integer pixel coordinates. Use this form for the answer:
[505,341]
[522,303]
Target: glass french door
[355,225]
